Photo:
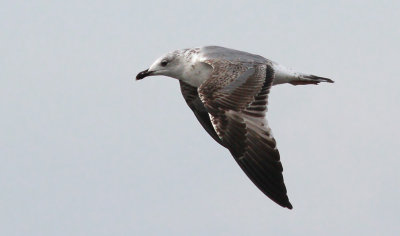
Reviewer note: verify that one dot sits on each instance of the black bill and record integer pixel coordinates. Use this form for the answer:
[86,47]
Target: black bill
[143,74]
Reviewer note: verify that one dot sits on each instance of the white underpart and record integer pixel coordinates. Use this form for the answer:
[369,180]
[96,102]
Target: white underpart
[195,71]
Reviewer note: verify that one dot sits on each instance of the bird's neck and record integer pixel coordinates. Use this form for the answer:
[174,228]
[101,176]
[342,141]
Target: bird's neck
[195,73]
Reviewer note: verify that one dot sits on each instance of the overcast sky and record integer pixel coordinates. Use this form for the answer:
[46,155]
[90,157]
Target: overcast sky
[86,150]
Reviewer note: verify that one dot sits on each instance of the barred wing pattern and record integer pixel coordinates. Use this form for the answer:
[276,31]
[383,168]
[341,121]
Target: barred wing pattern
[236,97]
[196,105]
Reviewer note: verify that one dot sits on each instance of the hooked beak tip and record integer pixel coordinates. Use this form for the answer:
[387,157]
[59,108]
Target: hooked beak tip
[143,74]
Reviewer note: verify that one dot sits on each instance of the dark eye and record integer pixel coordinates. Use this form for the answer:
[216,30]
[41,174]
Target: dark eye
[164,63]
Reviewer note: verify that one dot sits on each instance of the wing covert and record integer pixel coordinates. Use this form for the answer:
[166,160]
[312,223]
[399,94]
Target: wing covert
[236,98]
[196,105]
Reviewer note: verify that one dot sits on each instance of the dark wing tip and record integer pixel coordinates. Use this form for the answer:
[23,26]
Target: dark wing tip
[288,205]
[283,201]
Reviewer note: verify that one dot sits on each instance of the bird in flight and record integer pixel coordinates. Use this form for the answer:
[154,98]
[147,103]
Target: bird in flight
[227,90]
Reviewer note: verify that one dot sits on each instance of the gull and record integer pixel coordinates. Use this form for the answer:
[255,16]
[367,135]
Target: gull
[227,90]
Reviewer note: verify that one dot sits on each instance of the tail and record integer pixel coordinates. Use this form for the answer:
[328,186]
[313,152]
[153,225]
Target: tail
[284,75]
[304,79]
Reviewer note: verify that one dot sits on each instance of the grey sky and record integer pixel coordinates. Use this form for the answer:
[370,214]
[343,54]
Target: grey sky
[85,150]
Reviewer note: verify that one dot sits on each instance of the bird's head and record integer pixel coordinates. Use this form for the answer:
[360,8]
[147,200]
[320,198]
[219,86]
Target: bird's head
[168,65]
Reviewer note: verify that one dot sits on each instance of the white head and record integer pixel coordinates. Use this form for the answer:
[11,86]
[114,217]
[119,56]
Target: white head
[171,64]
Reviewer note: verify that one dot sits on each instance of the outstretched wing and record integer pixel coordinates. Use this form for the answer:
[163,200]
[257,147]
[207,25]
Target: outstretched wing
[193,101]
[236,98]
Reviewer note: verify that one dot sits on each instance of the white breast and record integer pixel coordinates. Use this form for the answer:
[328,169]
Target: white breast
[196,71]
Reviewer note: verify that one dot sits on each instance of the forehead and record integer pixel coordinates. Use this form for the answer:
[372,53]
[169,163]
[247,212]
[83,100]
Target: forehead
[176,53]
[170,56]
